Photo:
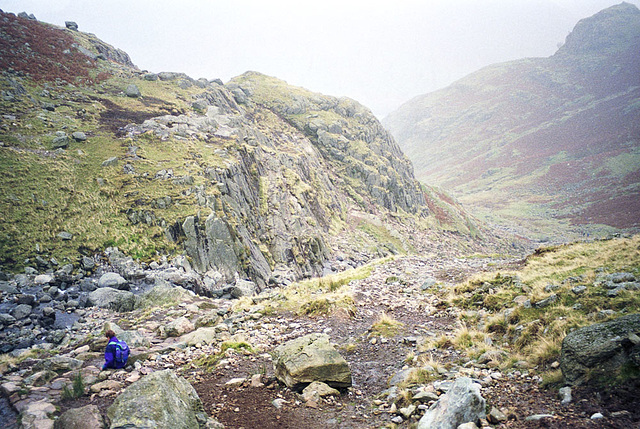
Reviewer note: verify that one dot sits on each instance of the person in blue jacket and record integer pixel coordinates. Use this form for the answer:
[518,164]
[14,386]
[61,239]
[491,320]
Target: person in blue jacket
[110,351]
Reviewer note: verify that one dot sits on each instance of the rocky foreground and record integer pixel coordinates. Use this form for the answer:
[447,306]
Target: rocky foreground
[383,325]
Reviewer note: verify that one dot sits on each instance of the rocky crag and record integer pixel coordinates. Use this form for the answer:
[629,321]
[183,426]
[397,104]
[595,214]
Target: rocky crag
[554,140]
[253,179]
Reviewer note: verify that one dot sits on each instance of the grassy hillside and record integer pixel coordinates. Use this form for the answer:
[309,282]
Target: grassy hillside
[552,140]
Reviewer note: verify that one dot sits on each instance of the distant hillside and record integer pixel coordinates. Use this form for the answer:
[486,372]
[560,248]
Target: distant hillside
[254,177]
[540,138]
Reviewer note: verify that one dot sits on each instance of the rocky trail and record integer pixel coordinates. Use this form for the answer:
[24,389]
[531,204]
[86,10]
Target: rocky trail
[237,386]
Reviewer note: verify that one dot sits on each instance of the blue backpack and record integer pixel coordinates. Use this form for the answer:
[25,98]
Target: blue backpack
[121,353]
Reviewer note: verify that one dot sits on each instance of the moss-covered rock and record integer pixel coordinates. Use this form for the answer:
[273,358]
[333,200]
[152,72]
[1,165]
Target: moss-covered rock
[602,352]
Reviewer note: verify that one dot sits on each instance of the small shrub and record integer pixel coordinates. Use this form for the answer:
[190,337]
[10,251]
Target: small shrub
[78,386]
[76,390]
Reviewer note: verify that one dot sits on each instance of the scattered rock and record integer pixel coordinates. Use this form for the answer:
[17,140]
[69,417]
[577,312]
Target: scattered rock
[60,142]
[565,395]
[496,416]
[205,335]
[21,311]
[66,236]
[546,302]
[106,385]
[319,388]
[109,162]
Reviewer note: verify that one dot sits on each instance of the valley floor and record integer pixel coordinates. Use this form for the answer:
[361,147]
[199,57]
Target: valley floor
[394,289]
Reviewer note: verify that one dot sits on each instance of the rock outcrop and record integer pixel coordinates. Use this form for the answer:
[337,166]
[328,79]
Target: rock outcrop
[601,351]
[310,358]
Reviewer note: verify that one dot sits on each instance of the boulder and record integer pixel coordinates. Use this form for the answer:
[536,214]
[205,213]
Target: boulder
[164,293]
[601,350]
[132,91]
[21,311]
[159,400]
[461,404]
[79,136]
[87,417]
[114,299]
[134,339]
[59,364]
[243,288]
[178,327]
[60,142]
[113,280]
[43,279]
[71,25]
[310,358]
[36,415]
[200,336]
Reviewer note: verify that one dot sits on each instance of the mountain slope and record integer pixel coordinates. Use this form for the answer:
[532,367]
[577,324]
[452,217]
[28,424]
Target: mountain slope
[543,137]
[254,178]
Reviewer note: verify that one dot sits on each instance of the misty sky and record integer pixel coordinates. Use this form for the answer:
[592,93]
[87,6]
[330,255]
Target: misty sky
[381,53]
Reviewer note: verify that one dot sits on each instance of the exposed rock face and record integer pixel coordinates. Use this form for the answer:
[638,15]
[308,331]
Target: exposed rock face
[600,351]
[255,180]
[159,400]
[461,404]
[310,358]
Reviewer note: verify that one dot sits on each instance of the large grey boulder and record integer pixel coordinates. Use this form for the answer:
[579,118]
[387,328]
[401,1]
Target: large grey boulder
[159,400]
[243,288]
[178,327]
[113,299]
[132,91]
[21,311]
[59,364]
[87,417]
[461,404]
[113,280]
[601,350]
[310,358]
[205,335]
[164,293]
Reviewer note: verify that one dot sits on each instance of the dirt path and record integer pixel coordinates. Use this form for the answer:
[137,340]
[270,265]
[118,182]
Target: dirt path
[393,289]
